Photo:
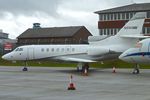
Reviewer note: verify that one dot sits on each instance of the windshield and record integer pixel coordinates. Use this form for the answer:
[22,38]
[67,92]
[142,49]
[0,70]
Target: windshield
[19,49]
[138,45]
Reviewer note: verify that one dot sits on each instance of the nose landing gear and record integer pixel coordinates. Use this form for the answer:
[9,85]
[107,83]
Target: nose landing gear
[25,67]
[83,67]
[136,69]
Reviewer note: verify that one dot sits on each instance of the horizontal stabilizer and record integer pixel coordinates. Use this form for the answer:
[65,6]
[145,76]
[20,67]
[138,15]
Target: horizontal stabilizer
[135,36]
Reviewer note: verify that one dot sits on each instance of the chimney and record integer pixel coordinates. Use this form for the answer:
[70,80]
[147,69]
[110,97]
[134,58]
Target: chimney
[36,25]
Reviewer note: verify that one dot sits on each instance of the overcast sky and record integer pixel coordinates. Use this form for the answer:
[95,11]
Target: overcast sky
[18,15]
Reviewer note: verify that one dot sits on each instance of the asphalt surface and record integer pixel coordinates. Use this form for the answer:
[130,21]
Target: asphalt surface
[41,83]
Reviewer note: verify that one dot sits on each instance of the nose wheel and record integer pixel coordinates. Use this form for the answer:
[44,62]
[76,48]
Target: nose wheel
[136,69]
[82,67]
[25,69]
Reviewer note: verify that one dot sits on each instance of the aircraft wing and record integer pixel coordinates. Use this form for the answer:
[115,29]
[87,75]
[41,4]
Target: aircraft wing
[71,59]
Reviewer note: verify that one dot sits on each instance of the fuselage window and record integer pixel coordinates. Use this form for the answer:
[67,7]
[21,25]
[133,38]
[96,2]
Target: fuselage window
[73,49]
[57,49]
[62,49]
[42,50]
[67,49]
[52,49]
[47,49]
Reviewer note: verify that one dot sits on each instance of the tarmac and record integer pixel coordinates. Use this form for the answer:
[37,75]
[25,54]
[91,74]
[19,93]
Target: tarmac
[43,83]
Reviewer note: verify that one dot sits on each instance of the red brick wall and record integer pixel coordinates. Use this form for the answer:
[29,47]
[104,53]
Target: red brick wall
[117,24]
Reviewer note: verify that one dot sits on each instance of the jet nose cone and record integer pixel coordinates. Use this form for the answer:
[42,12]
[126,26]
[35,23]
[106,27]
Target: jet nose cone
[124,57]
[6,57]
[121,57]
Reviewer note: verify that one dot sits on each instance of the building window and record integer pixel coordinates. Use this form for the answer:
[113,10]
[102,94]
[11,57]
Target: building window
[144,30]
[110,32]
[105,17]
[131,15]
[148,30]
[123,16]
[111,17]
[100,17]
[108,18]
[101,32]
[107,32]
[148,14]
[120,16]
[127,16]
[104,30]
[115,31]
[115,16]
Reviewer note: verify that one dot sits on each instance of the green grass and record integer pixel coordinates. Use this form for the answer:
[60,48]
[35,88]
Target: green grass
[106,64]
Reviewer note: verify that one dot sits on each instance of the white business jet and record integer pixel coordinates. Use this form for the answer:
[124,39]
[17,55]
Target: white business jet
[105,49]
[138,55]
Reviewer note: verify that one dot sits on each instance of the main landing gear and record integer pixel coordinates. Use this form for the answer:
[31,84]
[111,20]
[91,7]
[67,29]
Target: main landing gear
[25,67]
[136,69]
[83,67]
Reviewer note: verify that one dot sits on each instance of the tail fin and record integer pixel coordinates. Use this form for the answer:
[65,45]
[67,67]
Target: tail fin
[134,26]
[127,37]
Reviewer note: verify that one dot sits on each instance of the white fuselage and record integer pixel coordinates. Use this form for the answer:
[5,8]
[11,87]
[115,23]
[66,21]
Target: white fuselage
[33,52]
[140,54]
[72,53]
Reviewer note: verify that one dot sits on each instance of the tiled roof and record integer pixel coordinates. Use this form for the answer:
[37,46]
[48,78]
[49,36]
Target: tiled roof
[50,32]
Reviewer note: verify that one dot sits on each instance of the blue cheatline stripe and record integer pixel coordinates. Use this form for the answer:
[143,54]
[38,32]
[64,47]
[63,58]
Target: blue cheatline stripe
[138,54]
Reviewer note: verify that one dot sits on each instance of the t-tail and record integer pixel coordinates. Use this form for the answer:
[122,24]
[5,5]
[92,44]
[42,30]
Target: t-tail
[127,37]
[133,29]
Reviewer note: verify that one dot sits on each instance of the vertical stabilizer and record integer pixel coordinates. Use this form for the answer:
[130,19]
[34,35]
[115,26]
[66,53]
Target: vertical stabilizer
[127,37]
[134,25]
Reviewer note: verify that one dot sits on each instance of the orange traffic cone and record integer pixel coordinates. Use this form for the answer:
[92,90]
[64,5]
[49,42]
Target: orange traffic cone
[114,70]
[71,84]
[85,72]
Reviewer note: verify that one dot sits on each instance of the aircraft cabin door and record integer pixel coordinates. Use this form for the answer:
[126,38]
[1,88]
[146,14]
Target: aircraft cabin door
[30,53]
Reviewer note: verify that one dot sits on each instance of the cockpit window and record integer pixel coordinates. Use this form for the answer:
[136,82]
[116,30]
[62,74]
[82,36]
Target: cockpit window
[19,49]
[138,45]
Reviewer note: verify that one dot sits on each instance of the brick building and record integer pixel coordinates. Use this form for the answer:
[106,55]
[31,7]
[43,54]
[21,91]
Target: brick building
[5,41]
[112,20]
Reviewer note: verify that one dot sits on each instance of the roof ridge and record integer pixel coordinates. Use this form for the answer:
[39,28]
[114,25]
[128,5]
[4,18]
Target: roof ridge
[124,6]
